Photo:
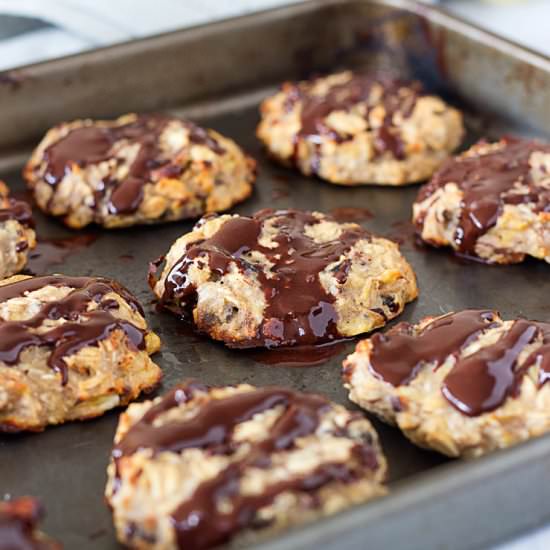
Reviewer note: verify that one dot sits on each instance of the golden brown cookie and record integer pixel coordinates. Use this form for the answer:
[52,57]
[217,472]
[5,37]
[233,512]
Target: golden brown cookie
[70,348]
[284,277]
[491,202]
[17,235]
[353,128]
[463,383]
[202,465]
[136,169]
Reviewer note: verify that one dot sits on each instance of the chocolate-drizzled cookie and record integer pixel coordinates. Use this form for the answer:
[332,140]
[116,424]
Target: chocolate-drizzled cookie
[19,519]
[17,235]
[70,348]
[491,202]
[202,466]
[282,278]
[358,128]
[136,169]
[463,383]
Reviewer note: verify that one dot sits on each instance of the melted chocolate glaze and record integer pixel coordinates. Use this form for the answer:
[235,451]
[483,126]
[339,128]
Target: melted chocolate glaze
[94,144]
[18,521]
[397,354]
[213,426]
[83,328]
[199,524]
[476,384]
[17,210]
[482,381]
[198,521]
[298,309]
[404,233]
[342,97]
[488,183]
[200,136]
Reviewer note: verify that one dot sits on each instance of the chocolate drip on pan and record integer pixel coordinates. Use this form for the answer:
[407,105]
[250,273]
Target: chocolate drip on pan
[51,252]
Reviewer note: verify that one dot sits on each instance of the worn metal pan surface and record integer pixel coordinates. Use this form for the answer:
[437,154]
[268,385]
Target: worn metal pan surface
[217,74]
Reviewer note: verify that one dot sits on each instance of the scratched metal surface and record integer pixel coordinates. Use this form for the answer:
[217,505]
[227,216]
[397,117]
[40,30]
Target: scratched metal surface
[431,502]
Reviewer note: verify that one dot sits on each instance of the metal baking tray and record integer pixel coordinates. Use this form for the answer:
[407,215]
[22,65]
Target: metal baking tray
[217,74]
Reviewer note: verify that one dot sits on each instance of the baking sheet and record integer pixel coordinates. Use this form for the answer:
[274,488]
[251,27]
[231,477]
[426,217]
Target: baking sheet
[435,503]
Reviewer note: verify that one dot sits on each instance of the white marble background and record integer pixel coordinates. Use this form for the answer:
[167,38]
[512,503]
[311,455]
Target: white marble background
[61,27]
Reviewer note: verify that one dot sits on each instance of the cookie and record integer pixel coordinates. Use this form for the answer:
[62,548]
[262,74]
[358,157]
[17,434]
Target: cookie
[136,169]
[492,202]
[17,235]
[202,465]
[283,277]
[463,383]
[70,348]
[18,526]
[352,128]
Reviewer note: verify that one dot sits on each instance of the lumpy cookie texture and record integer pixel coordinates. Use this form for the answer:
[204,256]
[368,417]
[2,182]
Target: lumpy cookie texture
[19,520]
[352,128]
[17,235]
[491,202]
[463,384]
[70,348]
[136,169]
[283,277]
[203,466]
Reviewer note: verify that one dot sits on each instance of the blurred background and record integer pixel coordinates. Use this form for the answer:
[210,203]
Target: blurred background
[35,30]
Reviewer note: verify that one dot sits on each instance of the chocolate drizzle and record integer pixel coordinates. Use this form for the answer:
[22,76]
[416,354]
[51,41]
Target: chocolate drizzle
[488,182]
[18,521]
[298,309]
[82,327]
[199,522]
[482,381]
[398,354]
[360,89]
[200,136]
[20,211]
[477,383]
[95,144]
